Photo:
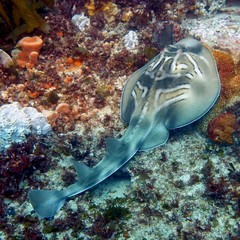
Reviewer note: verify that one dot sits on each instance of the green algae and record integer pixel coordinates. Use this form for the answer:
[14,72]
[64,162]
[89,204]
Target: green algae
[114,213]
[102,92]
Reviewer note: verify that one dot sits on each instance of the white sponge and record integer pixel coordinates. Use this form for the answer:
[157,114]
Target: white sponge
[16,123]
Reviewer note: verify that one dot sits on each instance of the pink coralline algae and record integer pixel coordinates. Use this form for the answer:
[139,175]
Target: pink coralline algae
[221,128]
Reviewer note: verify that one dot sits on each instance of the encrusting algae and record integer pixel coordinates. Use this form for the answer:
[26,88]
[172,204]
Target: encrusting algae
[90,7]
[110,9]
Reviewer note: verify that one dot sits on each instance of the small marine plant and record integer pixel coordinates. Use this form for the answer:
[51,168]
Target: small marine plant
[115,213]
[110,221]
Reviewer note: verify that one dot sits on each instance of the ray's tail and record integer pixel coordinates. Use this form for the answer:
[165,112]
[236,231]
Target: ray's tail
[46,202]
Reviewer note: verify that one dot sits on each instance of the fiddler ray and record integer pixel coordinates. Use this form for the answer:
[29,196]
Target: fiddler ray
[174,89]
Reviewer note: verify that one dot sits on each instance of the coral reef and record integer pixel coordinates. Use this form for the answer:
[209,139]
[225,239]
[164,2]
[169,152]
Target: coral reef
[27,51]
[221,128]
[188,188]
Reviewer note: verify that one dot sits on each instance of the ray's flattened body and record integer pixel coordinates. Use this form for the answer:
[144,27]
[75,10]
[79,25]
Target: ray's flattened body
[174,89]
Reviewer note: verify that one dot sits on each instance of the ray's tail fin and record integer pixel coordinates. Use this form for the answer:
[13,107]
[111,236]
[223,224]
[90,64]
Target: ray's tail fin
[46,202]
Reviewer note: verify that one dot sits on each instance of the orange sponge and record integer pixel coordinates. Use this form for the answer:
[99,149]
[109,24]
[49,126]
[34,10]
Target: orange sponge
[28,52]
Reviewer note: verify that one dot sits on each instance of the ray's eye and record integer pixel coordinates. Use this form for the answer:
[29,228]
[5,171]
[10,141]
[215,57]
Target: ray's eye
[172,48]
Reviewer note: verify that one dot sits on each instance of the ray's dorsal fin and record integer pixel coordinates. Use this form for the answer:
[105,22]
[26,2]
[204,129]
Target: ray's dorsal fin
[82,170]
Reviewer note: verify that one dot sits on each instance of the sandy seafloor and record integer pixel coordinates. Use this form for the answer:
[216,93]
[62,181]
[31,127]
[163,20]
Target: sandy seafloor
[188,188]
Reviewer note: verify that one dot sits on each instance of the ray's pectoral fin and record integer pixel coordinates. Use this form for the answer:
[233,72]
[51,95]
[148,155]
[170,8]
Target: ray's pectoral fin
[157,137]
[127,102]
